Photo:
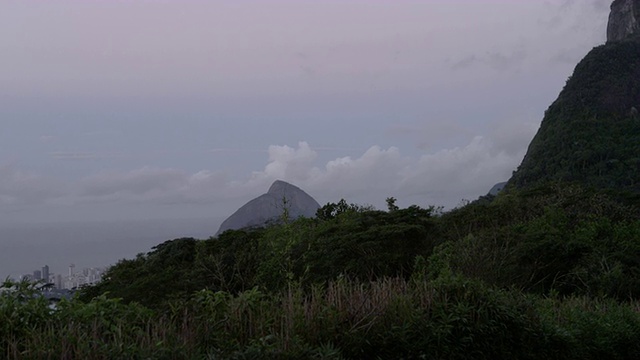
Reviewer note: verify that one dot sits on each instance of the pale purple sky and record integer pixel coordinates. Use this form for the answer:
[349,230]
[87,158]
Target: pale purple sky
[179,109]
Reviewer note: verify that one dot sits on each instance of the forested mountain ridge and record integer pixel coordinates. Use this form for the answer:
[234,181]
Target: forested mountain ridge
[591,133]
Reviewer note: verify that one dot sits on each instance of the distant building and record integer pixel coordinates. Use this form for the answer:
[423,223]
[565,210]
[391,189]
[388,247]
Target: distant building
[45,273]
[73,280]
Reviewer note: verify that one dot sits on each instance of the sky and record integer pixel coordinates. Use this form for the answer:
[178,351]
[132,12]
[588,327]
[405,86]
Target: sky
[167,109]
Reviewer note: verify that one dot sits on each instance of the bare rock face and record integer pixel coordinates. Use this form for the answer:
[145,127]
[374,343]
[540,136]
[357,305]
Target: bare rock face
[271,206]
[624,20]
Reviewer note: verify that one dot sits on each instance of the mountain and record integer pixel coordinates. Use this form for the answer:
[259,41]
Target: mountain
[591,133]
[271,206]
[624,20]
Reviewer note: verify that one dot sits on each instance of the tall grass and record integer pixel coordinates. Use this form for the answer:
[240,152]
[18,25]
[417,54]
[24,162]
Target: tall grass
[392,318]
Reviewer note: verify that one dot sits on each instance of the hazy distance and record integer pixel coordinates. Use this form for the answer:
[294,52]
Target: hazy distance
[117,112]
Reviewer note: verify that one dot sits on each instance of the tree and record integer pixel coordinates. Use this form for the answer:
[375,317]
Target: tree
[391,204]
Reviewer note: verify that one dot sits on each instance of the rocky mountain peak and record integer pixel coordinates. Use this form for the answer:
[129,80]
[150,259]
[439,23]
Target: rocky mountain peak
[280,187]
[269,207]
[624,20]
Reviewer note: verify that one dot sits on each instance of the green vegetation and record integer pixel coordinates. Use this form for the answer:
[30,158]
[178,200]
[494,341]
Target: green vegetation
[391,318]
[549,272]
[345,240]
[591,133]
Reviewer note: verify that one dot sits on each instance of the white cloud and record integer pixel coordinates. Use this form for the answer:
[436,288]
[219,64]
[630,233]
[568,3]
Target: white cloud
[450,175]
[440,178]
[286,162]
[205,187]
[376,170]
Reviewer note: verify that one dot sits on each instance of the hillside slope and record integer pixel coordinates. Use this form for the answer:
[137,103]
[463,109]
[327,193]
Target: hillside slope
[591,133]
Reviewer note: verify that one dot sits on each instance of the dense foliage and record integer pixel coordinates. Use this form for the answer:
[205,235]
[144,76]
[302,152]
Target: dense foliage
[563,239]
[448,317]
[345,240]
[549,272]
[591,133]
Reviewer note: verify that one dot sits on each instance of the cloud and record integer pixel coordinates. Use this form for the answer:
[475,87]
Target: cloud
[450,175]
[495,60]
[19,188]
[444,178]
[154,186]
[287,163]
[441,178]
[465,62]
[376,170]
[145,182]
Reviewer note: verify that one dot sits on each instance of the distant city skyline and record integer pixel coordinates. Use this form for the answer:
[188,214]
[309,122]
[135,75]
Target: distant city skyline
[70,280]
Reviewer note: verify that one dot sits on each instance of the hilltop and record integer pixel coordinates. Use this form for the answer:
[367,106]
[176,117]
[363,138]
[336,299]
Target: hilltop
[591,133]
[271,206]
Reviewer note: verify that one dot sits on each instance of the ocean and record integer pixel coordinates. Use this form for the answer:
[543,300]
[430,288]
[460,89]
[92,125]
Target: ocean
[28,247]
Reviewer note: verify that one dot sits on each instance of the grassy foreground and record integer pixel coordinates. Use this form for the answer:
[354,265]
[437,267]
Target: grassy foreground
[445,318]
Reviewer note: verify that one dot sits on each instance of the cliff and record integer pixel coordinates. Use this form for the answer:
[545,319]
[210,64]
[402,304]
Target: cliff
[624,20]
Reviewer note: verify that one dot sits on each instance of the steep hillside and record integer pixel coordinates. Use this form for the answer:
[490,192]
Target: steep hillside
[591,133]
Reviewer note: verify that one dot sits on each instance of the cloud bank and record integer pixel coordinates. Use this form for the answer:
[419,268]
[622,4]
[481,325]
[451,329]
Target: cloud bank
[444,177]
